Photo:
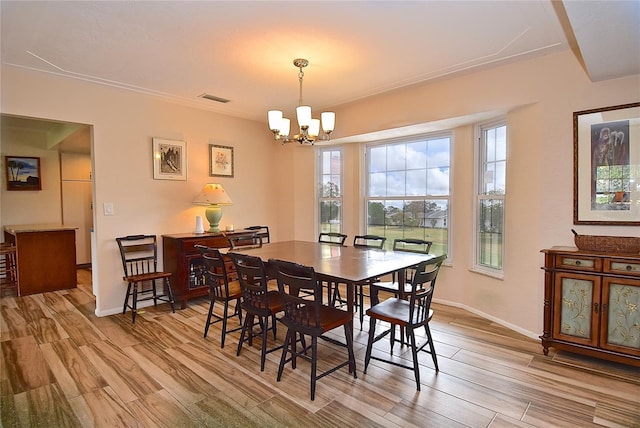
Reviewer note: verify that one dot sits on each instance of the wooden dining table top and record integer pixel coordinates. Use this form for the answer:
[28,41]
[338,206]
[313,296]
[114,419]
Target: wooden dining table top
[349,264]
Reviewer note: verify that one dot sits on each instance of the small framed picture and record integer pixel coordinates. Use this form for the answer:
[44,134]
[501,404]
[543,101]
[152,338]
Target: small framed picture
[606,166]
[220,161]
[169,159]
[23,173]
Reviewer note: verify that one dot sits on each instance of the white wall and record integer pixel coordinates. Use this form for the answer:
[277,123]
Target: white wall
[539,94]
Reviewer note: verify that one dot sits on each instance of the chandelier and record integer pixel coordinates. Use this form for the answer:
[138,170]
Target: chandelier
[309,127]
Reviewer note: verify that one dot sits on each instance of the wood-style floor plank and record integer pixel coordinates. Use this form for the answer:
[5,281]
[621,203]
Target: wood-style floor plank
[61,366]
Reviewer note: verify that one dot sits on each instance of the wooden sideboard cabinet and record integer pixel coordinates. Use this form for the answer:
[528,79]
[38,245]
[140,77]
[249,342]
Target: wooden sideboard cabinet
[183,260]
[592,304]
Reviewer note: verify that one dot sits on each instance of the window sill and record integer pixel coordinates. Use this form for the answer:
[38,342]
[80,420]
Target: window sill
[486,272]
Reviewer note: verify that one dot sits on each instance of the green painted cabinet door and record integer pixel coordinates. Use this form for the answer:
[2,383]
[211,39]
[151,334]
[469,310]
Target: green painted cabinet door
[620,329]
[577,307]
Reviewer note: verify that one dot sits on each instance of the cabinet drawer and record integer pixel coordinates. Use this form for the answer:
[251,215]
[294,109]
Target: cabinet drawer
[582,263]
[188,246]
[622,266]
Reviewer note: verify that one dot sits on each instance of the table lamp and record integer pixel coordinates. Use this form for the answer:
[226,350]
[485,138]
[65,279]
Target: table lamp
[213,196]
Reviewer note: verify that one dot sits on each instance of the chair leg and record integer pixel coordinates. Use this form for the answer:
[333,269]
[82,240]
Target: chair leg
[392,336]
[134,306]
[170,294]
[432,349]
[372,332]
[206,326]
[265,334]
[246,330]
[352,359]
[225,314]
[285,350]
[274,326]
[126,299]
[361,304]
[314,365]
[414,352]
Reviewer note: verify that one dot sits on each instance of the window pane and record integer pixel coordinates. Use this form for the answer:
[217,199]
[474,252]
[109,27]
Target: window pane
[378,184]
[396,183]
[330,215]
[377,159]
[438,181]
[416,155]
[417,182]
[490,233]
[438,153]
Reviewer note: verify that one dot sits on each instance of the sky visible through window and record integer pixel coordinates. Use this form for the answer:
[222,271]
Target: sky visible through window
[419,168]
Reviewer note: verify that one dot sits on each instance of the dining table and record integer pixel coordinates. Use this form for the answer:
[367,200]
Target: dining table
[338,263]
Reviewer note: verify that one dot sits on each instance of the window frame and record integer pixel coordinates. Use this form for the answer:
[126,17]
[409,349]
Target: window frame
[448,198]
[479,196]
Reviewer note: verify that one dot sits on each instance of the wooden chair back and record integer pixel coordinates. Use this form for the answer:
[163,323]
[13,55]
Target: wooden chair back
[332,238]
[422,288]
[245,241]
[301,295]
[215,272]
[253,283]
[411,245]
[369,241]
[262,232]
[139,254]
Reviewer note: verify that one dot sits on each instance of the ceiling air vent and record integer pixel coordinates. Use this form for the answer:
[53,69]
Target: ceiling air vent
[213,98]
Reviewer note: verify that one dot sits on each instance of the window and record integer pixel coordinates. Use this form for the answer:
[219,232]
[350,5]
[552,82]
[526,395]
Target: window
[330,194]
[492,177]
[408,190]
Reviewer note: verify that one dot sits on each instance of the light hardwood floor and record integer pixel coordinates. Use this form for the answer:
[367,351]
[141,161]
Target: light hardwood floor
[63,366]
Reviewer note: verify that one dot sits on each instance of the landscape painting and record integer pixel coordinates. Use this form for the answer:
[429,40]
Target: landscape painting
[22,173]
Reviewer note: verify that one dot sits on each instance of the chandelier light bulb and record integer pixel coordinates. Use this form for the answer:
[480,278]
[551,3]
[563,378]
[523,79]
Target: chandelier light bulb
[328,121]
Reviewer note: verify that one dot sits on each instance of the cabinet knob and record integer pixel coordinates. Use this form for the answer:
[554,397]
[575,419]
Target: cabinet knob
[577,262]
[629,267]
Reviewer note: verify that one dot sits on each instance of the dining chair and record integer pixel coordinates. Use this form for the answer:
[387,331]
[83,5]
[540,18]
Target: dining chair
[139,254]
[306,315]
[262,232]
[333,288]
[410,315]
[257,302]
[332,238]
[221,289]
[367,242]
[407,245]
[8,269]
[245,241]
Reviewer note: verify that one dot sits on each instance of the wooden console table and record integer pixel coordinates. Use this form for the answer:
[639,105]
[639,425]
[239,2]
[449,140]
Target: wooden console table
[182,259]
[46,257]
[592,304]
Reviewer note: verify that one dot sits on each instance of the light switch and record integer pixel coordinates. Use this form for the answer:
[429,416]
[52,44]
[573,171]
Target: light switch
[108,208]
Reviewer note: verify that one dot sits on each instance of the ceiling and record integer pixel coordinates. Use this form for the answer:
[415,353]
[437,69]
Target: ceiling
[243,51]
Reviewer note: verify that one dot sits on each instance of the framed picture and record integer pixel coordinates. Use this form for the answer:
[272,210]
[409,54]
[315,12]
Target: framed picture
[606,166]
[23,173]
[169,159]
[220,161]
